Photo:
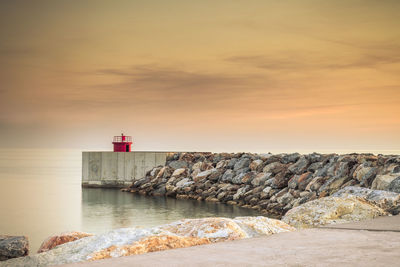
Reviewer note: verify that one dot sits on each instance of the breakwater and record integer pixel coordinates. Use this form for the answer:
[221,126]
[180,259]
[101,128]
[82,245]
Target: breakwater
[272,184]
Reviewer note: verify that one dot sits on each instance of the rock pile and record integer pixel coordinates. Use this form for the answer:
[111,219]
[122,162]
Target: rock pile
[270,183]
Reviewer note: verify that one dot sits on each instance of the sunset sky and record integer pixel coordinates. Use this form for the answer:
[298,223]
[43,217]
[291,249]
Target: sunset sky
[296,75]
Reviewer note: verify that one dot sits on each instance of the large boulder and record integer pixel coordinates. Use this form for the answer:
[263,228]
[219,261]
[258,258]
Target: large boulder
[388,201]
[131,241]
[13,247]
[56,240]
[332,210]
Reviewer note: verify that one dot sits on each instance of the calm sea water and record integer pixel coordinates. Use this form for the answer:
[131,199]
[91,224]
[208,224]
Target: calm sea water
[41,195]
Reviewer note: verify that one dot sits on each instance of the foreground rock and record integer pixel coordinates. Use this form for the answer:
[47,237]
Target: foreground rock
[388,201]
[131,241]
[332,210]
[272,184]
[63,238]
[13,247]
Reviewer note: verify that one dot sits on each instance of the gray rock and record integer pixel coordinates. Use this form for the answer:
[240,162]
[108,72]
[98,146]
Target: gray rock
[382,182]
[184,183]
[274,168]
[238,178]
[228,175]
[290,158]
[178,164]
[300,166]
[285,199]
[240,192]
[315,166]
[365,174]
[242,163]
[260,178]
[232,163]
[333,184]
[13,247]
[394,185]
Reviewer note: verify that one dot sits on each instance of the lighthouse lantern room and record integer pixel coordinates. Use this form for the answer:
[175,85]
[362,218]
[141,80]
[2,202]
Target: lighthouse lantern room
[122,143]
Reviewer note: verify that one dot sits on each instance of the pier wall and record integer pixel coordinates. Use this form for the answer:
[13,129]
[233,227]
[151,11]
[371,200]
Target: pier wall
[118,169]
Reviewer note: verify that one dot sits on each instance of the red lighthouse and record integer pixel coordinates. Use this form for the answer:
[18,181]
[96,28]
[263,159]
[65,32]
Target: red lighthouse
[122,143]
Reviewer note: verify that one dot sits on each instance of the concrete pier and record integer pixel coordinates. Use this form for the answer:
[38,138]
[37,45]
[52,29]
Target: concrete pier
[118,169]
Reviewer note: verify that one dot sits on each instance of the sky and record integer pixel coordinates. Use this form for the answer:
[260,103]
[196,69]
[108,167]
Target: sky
[258,76]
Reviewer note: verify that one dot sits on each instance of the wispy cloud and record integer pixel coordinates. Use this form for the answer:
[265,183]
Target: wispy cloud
[301,61]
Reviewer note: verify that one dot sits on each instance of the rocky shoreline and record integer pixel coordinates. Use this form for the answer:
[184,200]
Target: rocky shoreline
[304,191]
[272,184]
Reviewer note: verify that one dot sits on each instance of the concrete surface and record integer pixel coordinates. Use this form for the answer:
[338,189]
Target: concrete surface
[388,223]
[118,169]
[310,247]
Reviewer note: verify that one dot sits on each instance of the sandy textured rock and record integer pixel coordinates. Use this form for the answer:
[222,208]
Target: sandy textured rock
[13,247]
[63,238]
[130,241]
[149,244]
[331,210]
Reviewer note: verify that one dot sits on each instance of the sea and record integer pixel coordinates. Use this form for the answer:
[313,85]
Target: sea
[41,195]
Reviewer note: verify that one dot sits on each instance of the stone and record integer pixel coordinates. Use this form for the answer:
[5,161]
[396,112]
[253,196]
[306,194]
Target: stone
[178,164]
[394,168]
[228,176]
[300,166]
[332,210]
[132,241]
[290,158]
[242,163]
[315,166]
[281,180]
[394,185]
[260,179]
[285,199]
[292,183]
[184,183]
[382,182]
[232,163]
[274,168]
[204,174]
[179,172]
[364,174]
[304,180]
[13,247]
[222,164]
[333,184]
[56,240]
[315,184]
[247,178]
[388,201]
[254,164]
[240,193]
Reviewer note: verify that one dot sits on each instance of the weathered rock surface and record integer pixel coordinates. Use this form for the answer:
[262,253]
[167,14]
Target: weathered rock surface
[131,241]
[13,247]
[388,201]
[332,210]
[60,239]
[272,184]
[382,182]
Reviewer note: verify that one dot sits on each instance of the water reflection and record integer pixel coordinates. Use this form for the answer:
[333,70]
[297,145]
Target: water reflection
[105,209]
